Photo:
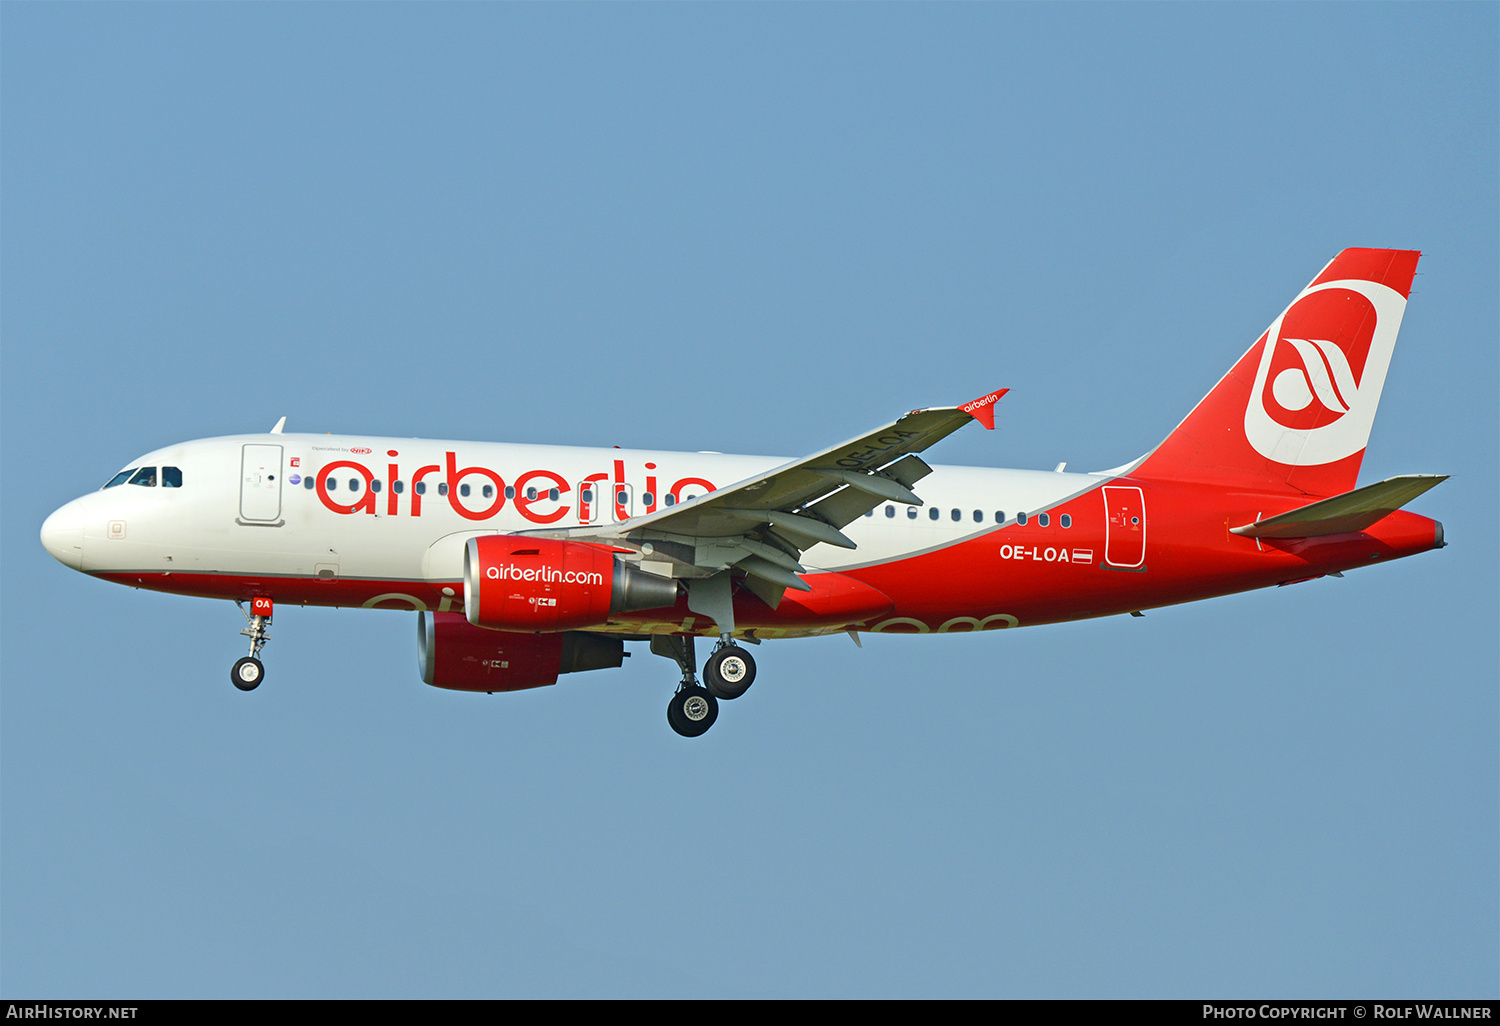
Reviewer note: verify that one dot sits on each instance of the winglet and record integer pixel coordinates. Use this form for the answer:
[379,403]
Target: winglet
[279,425]
[983,408]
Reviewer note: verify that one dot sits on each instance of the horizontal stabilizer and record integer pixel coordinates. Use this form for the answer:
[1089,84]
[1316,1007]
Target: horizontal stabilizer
[1342,514]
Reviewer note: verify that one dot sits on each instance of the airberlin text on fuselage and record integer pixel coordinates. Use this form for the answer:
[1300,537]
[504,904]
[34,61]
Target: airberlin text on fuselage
[531,491]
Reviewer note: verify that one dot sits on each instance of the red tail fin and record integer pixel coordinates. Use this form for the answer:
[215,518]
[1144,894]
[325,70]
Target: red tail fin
[1294,414]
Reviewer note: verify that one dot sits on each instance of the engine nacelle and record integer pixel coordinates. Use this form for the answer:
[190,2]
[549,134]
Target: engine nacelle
[452,653]
[517,583]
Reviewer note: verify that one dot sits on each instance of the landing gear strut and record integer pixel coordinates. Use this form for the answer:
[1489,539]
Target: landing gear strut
[248,672]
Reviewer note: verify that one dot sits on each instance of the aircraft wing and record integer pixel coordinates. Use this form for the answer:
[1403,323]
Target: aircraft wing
[762,525]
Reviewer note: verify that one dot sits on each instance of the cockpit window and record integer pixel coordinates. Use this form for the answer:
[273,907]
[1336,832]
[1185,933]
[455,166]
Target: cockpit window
[171,477]
[145,477]
[120,478]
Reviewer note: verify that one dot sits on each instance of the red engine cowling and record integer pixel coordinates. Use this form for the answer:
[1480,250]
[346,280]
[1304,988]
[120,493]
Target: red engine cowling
[517,583]
[452,653]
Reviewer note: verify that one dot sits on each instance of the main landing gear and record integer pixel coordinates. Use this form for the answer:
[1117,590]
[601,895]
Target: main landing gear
[729,672]
[247,673]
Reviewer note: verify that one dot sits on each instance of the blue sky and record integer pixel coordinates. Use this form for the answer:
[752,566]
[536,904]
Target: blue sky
[747,228]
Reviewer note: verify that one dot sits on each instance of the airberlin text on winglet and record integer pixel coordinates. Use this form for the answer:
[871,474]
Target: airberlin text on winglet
[983,408]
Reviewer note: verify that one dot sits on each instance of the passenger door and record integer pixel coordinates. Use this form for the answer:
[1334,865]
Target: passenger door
[1124,526]
[260,484]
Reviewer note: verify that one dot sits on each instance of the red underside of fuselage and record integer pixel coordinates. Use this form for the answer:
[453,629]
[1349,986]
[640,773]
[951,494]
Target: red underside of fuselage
[1012,576]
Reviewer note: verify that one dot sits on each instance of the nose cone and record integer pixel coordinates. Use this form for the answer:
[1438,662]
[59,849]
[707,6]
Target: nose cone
[62,535]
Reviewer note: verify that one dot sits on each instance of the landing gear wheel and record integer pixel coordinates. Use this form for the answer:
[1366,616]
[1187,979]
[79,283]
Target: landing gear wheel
[692,711]
[247,673]
[729,672]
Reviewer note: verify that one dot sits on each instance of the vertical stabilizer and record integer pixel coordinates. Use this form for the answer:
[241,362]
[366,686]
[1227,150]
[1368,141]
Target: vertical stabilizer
[1294,414]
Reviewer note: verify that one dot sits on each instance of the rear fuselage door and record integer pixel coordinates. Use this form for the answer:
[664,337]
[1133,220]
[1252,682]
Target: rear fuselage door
[1124,526]
[260,483]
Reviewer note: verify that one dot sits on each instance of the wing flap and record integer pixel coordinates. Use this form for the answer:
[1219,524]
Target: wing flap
[844,506]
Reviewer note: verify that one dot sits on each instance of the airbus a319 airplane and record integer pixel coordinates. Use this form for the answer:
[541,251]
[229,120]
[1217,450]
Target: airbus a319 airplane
[525,562]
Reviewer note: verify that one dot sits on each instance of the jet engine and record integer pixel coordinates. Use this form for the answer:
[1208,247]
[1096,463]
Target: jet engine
[518,583]
[452,653]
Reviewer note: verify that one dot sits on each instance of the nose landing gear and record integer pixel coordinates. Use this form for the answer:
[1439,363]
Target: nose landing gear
[247,673]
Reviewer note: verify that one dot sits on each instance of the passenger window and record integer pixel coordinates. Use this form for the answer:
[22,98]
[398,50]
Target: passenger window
[1021,519]
[1065,520]
[868,512]
[463,490]
[375,485]
[120,478]
[587,495]
[510,491]
[489,491]
[145,477]
[671,499]
[979,516]
[957,515]
[171,477]
[890,511]
[354,485]
[999,516]
[933,513]
[308,482]
[1043,520]
[398,487]
[443,488]
[911,512]
[531,493]
[420,487]
[553,493]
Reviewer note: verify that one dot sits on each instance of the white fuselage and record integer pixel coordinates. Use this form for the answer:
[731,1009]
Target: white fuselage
[227,519]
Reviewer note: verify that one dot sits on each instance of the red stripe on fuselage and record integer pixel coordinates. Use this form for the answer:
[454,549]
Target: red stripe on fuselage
[1029,573]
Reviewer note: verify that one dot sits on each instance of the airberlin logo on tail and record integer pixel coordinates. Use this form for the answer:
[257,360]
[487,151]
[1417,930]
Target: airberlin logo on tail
[1324,375]
[1321,372]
